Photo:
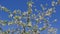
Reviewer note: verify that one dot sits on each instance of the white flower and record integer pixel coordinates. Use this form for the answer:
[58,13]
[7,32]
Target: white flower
[40,17]
[37,19]
[14,11]
[52,30]
[50,9]
[43,8]
[30,4]
[55,20]
[20,21]
[29,24]
[40,22]
[35,9]
[11,15]
[10,23]
[20,17]
[2,7]
[48,12]
[25,13]
[53,3]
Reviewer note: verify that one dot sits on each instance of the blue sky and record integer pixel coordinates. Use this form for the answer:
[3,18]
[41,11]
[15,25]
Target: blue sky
[22,5]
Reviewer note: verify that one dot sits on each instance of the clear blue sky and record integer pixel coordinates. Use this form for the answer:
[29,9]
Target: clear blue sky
[22,5]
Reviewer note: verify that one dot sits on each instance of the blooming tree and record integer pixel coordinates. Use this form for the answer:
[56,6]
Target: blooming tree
[26,19]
